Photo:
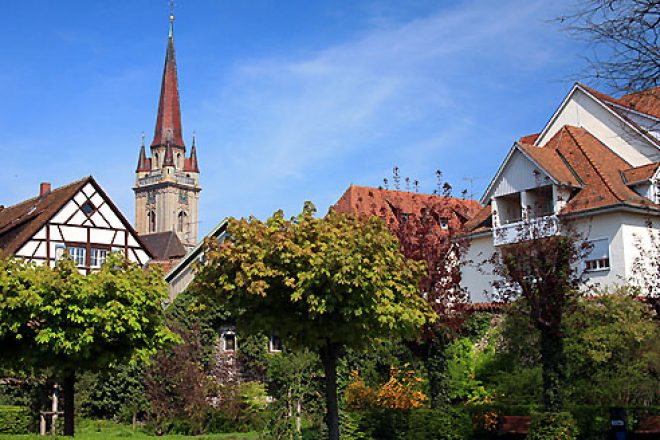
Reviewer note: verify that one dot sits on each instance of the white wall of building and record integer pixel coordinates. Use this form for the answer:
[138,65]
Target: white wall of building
[581,110]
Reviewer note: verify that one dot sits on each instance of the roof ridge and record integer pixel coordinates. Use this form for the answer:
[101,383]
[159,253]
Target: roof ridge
[51,192]
[604,178]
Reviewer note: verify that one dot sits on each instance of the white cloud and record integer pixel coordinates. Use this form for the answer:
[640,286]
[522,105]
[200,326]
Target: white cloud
[396,93]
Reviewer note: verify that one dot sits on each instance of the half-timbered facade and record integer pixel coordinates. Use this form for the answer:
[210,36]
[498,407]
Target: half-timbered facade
[79,218]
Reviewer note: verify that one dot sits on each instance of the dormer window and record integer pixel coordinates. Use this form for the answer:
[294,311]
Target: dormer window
[444,222]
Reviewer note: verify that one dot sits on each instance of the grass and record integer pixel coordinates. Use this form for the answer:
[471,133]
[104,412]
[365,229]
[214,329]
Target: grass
[98,430]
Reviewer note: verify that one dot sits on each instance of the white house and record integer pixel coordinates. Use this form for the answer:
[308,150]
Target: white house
[594,166]
[78,217]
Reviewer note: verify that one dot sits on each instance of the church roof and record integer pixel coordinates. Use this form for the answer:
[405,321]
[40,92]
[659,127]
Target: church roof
[168,121]
[164,245]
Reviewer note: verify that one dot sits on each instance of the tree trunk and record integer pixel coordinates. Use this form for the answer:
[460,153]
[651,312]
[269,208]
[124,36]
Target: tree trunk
[68,389]
[436,362]
[329,355]
[552,360]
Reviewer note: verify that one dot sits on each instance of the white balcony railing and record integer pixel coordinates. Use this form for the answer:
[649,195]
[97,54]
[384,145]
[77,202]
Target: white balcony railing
[182,178]
[538,227]
[154,178]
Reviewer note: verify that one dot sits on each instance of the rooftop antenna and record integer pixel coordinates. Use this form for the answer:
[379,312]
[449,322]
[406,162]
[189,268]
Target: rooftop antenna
[470,180]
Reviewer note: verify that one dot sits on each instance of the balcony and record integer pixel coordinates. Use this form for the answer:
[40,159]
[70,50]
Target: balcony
[182,178]
[514,232]
[148,180]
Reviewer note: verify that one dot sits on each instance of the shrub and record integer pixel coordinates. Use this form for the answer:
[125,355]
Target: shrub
[419,424]
[553,426]
[14,420]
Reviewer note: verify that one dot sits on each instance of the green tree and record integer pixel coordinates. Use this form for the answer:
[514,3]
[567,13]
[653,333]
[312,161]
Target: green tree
[543,271]
[57,318]
[323,284]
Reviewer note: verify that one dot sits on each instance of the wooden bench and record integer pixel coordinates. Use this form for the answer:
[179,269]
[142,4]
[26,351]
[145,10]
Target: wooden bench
[514,425]
[648,427]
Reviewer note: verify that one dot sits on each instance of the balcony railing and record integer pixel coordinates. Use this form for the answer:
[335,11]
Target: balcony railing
[538,227]
[154,178]
[182,178]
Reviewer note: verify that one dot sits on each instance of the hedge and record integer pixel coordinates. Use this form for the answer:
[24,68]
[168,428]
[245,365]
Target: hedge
[14,420]
[452,423]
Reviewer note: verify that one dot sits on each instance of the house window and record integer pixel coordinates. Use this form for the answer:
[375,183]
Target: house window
[275,344]
[151,221]
[229,342]
[99,257]
[77,254]
[405,217]
[88,208]
[444,222]
[599,257]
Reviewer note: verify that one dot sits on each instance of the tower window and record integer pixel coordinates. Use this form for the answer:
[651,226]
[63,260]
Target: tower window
[229,342]
[151,221]
[181,221]
[179,162]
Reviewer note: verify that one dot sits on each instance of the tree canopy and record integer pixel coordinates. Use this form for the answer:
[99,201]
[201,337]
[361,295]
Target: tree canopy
[59,319]
[321,283]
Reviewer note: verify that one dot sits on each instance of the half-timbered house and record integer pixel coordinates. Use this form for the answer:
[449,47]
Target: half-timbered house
[79,218]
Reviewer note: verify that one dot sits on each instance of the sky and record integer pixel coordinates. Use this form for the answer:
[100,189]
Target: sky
[290,100]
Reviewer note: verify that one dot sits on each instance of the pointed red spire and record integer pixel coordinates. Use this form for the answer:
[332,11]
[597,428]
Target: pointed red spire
[144,164]
[168,122]
[191,163]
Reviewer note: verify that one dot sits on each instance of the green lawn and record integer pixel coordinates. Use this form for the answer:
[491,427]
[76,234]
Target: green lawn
[90,430]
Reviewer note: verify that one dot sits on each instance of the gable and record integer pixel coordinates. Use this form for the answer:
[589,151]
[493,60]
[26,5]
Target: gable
[101,227]
[518,173]
[581,109]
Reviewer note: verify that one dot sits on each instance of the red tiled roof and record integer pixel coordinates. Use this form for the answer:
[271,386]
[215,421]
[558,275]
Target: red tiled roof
[641,174]
[529,139]
[18,223]
[481,220]
[646,101]
[389,204]
[164,245]
[574,157]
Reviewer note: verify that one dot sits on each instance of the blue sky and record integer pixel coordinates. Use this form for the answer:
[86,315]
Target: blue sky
[291,100]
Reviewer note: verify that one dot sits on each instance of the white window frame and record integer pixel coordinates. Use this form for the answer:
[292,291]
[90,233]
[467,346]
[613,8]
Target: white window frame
[271,345]
[98,257]
[598,261]
[224,342]
[78,255]
[443,222]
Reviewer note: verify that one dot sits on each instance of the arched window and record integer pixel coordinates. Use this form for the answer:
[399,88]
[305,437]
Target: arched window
[151,221]
[181,221]
[155,160]
[179,162]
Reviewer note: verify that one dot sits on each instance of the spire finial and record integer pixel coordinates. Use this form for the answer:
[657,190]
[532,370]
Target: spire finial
[193,140]
[143,138]
[171,18]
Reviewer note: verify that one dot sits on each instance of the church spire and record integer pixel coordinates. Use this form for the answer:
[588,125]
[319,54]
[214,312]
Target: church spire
[168,121]
[143,163]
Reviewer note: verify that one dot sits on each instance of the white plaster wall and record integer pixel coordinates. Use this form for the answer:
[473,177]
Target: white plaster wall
[582,111]
[477,276]
[605,226]
[638,241]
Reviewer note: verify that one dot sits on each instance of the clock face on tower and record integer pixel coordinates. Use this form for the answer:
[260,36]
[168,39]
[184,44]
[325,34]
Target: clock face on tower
[183,196]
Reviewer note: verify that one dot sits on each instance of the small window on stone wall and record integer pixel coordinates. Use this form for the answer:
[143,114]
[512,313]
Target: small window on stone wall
[229,342]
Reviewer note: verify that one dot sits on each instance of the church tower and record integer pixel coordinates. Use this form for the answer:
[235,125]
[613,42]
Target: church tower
[167,183]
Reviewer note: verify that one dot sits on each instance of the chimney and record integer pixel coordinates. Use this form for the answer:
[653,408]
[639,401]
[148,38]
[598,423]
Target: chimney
[44,188]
